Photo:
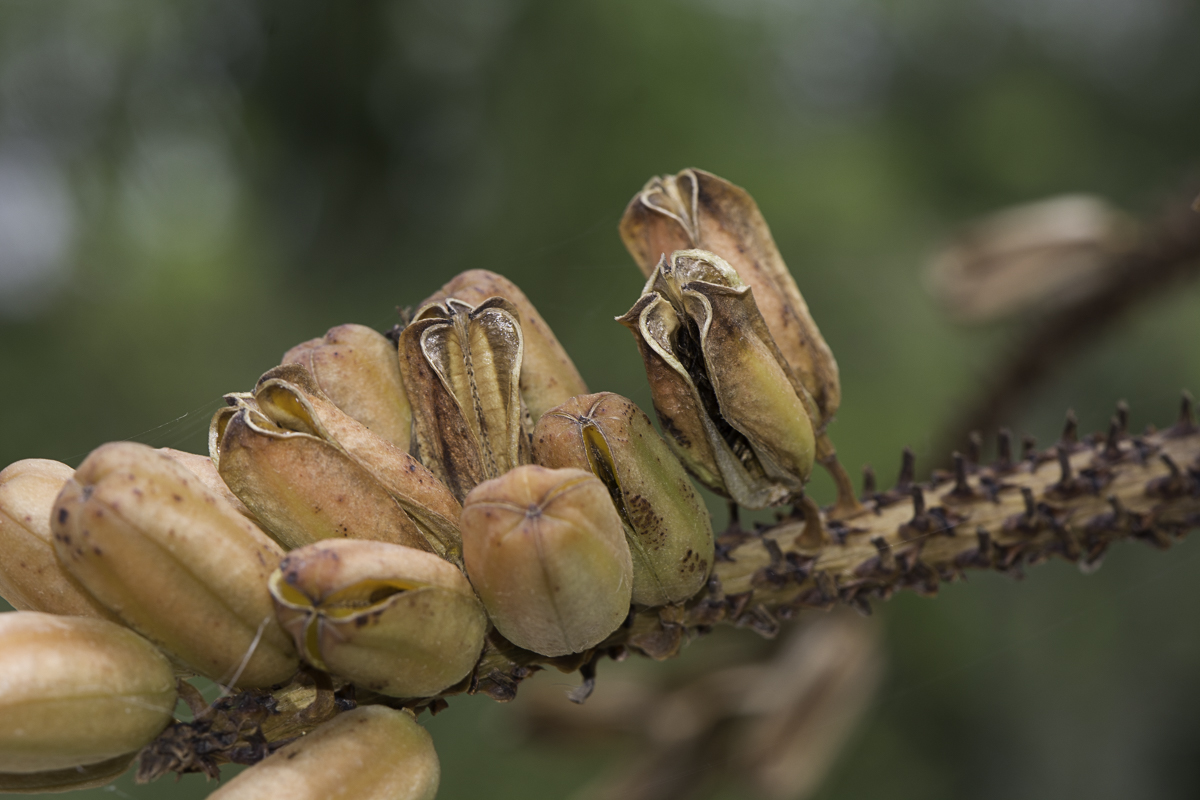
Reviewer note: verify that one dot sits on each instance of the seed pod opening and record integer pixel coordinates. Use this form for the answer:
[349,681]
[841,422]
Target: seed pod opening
[546,551]
[666,525]
[399,621]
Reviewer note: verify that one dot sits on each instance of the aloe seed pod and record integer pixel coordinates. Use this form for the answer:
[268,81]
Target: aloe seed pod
[204,469]
[735,413]
[399,621]
[175,562]
[77,691]
[462,366]
[697,210]
[667,528]
[68,779]
[548,376]
[309,471]
[370,753]
[356,368]
[31,579]
[546,551]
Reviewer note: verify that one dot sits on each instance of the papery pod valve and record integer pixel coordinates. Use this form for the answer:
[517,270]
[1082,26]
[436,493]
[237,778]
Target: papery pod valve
[75,691]
[175,562]
[546,551]
[398,621]
[735,414]
[666,525]
[369,753]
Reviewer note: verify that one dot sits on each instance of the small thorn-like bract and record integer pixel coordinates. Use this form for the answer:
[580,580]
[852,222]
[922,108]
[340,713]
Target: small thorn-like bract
[1004,452]
[175,562]
[697,210]
[462,364]
[868,482]
[309,471]
[666,525]
[1070,433]
[370,753]
[974,448]
[908,470]
[31,579]
[398,621]
[732,409]
[356,368]
[76,691]
[548,376]
[546,551]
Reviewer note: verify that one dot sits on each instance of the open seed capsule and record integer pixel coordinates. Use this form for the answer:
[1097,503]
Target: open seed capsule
[175,562]
[546,551]
[76,691]
[396,620]
[666,525]
[370,753]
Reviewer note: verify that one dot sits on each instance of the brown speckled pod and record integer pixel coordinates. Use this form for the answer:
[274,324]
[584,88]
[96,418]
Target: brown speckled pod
[370,753]
[76,691]
[396,620]
[546,551]
[175,562]
[356,368]
[204,469]
[666,525]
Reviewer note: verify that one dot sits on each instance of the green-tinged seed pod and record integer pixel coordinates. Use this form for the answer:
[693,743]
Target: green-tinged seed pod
[733,411]
[396,620]
[546,551]
[309,471]
[31,579]
[666,525]
[357,369]
[370,753]
[548,376]
[204,469]
[76,691]
[697,210]
[175,562]
[462,366]
[69,779]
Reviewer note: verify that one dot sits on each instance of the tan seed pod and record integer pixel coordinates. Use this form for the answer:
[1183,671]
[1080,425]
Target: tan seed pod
[667,528]
[76,691]
[370,753]
[31,579]
[548,376]
[356,368]
[546,551]
[395,620]
[175,562]
[68,779]
[204,469]
[733,411]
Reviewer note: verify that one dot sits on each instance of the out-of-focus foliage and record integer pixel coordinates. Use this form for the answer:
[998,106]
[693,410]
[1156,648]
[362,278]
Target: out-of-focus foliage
[188,189]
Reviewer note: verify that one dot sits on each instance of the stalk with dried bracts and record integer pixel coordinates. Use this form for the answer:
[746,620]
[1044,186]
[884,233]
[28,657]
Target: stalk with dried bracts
[384,522]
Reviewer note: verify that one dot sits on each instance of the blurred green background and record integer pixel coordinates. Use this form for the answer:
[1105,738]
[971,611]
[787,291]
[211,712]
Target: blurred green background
[187,189]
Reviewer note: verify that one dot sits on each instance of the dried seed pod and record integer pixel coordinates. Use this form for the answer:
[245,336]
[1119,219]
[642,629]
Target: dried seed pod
[734,412]
[31,579]
[548,376]
[77,691]
[370,753]
[696,209]
[68,779]
[356,368]
[461,364]
[546,551]
[204,469]
[667,528]
[175,562]
[396,620]
[309,471]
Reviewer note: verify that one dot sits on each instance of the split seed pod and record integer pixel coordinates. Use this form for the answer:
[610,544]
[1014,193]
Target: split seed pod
[734,412]
[546,551]
[31,579]
[309,471]
[667,528]
[396,620]
[462,366]
[356,368]
[76,691]
[175,562]
[548,376]
[696,209]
